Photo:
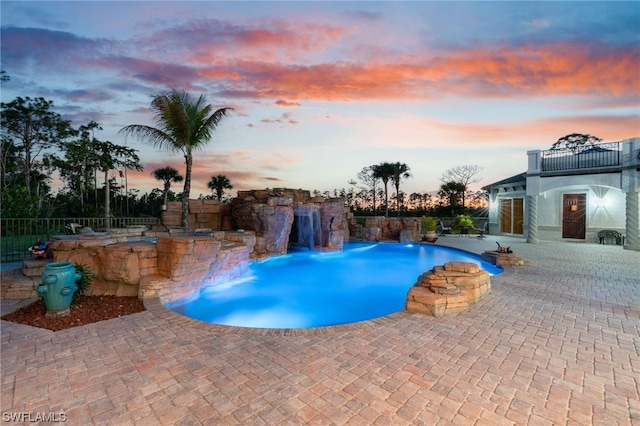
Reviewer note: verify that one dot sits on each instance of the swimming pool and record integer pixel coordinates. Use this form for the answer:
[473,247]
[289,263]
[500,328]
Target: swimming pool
[314,289]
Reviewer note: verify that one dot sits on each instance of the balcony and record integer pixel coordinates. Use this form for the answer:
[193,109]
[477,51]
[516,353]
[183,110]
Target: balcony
[594,158]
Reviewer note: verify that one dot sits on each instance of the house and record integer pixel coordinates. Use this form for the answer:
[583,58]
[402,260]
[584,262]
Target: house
[571,195]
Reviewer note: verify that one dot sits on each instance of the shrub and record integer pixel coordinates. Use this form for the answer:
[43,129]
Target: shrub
[429,223]
[85,280]
[463,221]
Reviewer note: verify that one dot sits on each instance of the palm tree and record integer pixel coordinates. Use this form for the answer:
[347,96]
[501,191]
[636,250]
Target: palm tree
[399,171]
[167,175]
[452,191]
[384,171]
[185,125]
[219,184]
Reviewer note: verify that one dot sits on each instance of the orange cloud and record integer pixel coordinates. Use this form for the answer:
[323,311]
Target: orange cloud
[494,72]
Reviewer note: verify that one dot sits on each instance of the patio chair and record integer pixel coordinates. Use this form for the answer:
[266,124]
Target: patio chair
[482,229]
[443,228]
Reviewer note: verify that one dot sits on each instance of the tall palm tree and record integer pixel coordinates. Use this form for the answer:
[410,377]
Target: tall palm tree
[384,171]
[399,171]
[219,184]
[184,125]
[167,175]
[452,191]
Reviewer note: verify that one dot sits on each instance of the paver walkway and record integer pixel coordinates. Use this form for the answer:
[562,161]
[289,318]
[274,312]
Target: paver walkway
[556,342]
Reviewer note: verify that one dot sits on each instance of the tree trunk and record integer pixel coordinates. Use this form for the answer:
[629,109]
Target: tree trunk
[27,168]
[386,200]
[81,187]
[126,191]
[398,197]
[166,192]
[374,200]
[186,191]
[107,206]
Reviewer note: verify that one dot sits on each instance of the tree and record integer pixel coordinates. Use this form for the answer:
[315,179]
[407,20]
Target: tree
[218,184]
[399,171]
[420,202]
[10,165]
[83,158]
[575,142]
[78,165]
[16,202]
[452,191]
[184,125]
[167,175]
[464,175]
[384,172]
[110,156]
[31,126]
[370,183]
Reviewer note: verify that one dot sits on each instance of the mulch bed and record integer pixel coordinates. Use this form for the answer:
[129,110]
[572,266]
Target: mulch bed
[84,310]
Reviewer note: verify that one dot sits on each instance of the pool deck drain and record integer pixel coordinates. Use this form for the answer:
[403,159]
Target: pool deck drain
[555,342]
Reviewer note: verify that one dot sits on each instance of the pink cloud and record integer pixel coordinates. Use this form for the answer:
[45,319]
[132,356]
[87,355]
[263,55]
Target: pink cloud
[282,62]
[206,41]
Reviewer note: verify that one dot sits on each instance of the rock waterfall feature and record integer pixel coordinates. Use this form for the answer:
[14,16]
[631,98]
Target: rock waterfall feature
[283,217]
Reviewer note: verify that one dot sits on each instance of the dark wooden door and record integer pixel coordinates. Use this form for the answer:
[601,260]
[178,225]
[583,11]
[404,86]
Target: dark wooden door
[574,209]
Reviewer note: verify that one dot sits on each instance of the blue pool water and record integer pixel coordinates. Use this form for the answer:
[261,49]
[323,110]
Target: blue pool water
[313,289]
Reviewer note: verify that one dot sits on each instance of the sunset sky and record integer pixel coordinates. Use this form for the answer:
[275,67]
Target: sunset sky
[323,89]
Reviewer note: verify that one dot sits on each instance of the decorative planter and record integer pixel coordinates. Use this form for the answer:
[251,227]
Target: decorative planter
[429,236]
[58,287]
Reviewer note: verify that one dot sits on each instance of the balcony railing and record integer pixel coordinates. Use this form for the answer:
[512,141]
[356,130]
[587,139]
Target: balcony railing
[591,157]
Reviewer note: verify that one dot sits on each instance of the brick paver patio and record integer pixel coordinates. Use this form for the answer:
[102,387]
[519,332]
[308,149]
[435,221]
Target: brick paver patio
[555,343]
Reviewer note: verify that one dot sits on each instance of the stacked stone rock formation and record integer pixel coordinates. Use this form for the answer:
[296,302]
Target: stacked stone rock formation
[203,214]
[173,267]
[502,259]
[380,228]
[270,214]
[183,260]
[270,220]
[449,288]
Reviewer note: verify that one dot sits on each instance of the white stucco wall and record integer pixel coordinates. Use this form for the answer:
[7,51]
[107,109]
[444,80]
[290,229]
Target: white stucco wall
[605,210]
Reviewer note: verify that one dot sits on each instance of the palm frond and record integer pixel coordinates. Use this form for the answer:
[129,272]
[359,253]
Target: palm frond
[152,136]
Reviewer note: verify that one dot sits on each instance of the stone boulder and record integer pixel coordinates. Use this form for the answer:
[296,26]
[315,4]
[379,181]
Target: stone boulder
[409,227]
[371,233]
[503,259]
[276,226]
[271,220]
[380,228]
[448,288]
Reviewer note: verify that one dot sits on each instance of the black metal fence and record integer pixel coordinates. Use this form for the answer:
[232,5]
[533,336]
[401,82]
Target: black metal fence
[594,156]
[17,235]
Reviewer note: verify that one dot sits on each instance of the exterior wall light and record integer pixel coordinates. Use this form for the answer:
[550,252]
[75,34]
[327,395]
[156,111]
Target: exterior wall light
[600,202]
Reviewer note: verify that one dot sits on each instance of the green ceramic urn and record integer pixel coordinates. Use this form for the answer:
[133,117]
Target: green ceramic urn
[58,287]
